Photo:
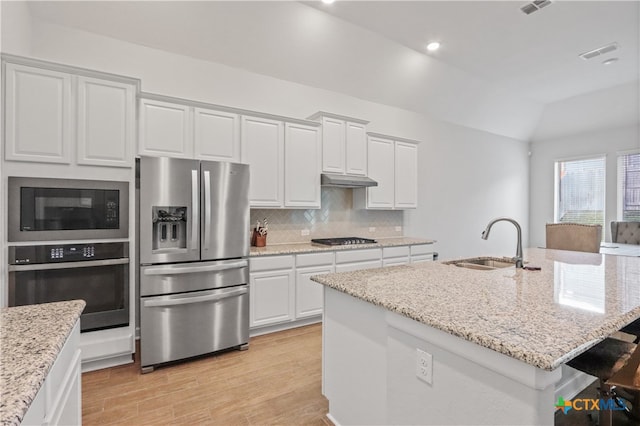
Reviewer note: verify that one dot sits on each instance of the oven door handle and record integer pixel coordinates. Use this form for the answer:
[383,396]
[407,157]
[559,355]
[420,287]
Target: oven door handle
[68,265]
[193,299]
[175,270]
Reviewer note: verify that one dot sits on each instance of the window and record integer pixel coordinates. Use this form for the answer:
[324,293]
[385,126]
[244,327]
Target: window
[629,187]
[580,191]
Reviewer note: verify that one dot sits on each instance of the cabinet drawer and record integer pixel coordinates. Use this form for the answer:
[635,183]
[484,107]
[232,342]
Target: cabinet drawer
[395,251]
[395,261]
[422,258]
[421,249]
[315,259]
[358,255]
[348,267]
[269,263]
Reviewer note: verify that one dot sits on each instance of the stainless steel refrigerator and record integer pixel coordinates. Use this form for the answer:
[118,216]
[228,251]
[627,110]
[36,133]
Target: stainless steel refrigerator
[194,244]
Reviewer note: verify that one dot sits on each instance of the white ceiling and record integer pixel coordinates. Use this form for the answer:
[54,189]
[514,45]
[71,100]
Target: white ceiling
[495,70]
[533,55]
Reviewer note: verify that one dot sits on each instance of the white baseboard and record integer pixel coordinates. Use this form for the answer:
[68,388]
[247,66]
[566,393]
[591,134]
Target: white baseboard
[283,326]
[99,364]
[333,420]
[572,383]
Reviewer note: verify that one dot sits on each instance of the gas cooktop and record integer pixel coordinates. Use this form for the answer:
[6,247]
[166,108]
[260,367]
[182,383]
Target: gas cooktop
[342,241]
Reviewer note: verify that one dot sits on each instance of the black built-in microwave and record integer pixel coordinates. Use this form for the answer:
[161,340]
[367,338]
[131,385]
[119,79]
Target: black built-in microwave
[43,209]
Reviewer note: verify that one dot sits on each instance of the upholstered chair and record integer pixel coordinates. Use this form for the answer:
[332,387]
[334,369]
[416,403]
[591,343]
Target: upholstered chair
[625,232]
[574,237]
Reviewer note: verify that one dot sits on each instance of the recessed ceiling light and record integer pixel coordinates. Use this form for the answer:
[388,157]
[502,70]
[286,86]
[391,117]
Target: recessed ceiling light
[328,1]
[609,61]
[433,46]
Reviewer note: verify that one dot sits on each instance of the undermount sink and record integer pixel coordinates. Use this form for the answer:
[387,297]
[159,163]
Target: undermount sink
[482,263]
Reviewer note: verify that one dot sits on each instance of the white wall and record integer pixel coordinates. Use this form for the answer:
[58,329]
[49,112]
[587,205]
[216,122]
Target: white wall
[466,176]
[545,153]
[15,22]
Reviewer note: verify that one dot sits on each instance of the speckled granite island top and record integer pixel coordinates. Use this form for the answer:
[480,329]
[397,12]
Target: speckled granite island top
[543,318]
[311,248]
[30,339]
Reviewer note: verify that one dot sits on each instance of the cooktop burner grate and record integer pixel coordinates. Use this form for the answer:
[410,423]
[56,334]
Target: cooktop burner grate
[342,241]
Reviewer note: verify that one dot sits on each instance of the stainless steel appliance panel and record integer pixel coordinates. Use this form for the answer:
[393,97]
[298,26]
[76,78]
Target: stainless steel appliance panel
[169,210]
[43,274]
[225,210]
[183,277]
[44,209]
[189,324]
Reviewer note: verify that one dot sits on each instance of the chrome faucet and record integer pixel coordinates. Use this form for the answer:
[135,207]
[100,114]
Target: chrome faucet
[485,235]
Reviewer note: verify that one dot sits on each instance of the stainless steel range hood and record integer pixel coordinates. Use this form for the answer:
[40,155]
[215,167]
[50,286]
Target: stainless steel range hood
[344,181]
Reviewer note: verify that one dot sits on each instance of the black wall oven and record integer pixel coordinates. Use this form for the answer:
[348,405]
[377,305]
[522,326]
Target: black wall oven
[43,209]
[98,273]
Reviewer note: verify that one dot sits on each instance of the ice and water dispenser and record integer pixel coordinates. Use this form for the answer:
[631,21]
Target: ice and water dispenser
[169,227]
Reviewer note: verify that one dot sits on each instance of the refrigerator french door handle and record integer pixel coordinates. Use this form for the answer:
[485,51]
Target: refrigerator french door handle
[207,210]
[194,299]
[175,270]
[195,209]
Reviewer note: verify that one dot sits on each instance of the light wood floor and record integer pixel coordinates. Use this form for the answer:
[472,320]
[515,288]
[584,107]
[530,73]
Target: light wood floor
[277,381]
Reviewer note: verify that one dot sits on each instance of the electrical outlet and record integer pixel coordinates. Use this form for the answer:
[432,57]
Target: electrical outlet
[424,366]
[372,229]
[398,228]
[304,232]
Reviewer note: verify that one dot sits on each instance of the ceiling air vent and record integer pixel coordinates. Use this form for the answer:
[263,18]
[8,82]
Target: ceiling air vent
[534,6]
[599,51]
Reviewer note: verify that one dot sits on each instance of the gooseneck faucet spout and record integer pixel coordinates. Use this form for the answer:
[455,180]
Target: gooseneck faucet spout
[485,235]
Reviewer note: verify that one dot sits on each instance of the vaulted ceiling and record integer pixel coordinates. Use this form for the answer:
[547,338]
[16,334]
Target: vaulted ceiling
[490,50]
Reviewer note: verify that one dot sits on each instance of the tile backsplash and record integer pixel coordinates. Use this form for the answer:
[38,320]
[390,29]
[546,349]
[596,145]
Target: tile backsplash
[335,218]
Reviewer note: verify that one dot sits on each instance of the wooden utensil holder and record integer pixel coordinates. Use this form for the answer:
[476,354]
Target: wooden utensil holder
[261,240]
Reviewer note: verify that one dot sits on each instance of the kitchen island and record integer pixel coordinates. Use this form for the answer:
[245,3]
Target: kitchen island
[497,338]
[40,364]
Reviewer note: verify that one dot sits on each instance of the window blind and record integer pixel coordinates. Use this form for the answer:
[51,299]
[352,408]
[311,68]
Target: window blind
[629,187]
[580,191]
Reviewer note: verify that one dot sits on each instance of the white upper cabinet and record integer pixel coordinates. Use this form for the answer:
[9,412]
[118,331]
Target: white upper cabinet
[393,163]
[302,166]
[217,135]
[406,175]
[381,160]
[106,122]
[262,148]
[356,149]
[52,111]
[344,144]
[333,143]
[165,129]
[38,114]
[172,127]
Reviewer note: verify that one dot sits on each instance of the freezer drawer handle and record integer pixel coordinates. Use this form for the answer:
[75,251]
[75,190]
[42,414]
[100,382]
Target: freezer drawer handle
[168,270]
[195,299]
[68,265]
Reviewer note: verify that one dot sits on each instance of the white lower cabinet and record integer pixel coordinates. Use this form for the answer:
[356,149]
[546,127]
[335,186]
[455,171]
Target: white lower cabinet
[282,294]
[352,260]
[272,289]
[422,253]
[393,256]
[58,402]
[309,294]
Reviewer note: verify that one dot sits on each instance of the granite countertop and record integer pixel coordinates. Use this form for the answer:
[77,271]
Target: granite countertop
[31,338]
[543,318]
[297,248]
